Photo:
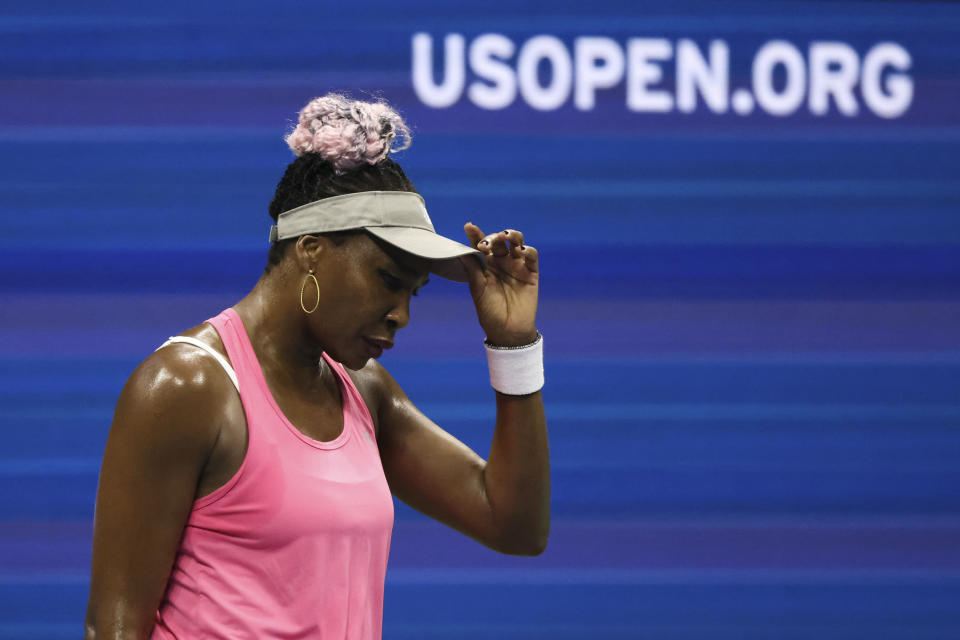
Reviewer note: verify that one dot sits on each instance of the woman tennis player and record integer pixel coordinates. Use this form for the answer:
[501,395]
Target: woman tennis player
[245,491]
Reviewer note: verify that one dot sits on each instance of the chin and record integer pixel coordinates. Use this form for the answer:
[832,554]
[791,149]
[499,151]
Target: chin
[356,365]
[353,359]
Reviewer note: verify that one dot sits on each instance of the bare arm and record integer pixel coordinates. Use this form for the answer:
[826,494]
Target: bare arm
[164,428]
[518,472]
[503,502]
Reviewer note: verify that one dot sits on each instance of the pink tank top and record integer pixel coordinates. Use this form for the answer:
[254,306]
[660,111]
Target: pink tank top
[295,544]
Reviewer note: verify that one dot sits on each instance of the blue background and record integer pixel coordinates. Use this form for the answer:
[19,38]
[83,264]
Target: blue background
[752,322]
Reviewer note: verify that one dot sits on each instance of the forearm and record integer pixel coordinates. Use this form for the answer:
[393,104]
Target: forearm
[517,475]
[116,627]
[93,633]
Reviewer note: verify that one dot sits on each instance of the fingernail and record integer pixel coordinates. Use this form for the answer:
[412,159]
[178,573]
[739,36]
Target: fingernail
[484,242]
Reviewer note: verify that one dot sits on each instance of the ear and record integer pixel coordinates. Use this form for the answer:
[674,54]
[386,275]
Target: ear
[310,251]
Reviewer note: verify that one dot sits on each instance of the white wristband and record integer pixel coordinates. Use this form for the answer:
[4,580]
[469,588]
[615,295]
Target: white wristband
[516,371]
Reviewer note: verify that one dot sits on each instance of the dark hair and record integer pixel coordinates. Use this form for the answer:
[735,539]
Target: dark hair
[310,178]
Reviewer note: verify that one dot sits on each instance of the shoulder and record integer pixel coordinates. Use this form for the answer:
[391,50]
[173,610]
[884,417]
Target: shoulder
[180,394]
[179,371]
[377,388]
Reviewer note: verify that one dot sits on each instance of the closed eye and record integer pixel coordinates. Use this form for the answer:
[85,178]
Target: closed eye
[391,281]
[395,283]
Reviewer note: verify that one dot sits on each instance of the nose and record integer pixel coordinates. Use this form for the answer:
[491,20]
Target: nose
[399,316]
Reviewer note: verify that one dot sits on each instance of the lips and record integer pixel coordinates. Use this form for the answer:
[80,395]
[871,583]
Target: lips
[375,346]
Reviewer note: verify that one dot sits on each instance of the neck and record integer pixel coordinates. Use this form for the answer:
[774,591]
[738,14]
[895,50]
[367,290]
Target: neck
[277,329]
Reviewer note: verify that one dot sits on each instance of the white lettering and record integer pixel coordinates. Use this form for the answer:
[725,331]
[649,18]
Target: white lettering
[557,91]
[834,69]
[771,55]
[742,102]
[641,73]
[451,88]
[591,76]
[899,94]
[695,74]
[487,53]
[543,72]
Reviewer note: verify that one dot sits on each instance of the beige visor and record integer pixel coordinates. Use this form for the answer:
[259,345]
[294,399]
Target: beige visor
[396,217]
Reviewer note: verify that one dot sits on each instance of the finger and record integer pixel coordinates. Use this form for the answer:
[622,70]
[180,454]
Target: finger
[474,234]
[497,243]
[485,246]
[530,258]
[515,237]
[475,277]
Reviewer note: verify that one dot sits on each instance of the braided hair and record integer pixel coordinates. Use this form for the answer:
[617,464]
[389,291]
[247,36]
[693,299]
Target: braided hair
[342,147]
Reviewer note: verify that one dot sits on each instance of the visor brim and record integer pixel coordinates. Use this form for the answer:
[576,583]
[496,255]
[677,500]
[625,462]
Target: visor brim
[443,253]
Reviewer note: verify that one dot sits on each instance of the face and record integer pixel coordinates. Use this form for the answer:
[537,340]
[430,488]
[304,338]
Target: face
[365,291]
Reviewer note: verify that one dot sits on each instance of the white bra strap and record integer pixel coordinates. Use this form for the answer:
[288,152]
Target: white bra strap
[219,358]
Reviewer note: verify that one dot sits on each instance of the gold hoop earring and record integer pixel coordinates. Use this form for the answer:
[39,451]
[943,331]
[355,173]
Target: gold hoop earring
[304,286]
